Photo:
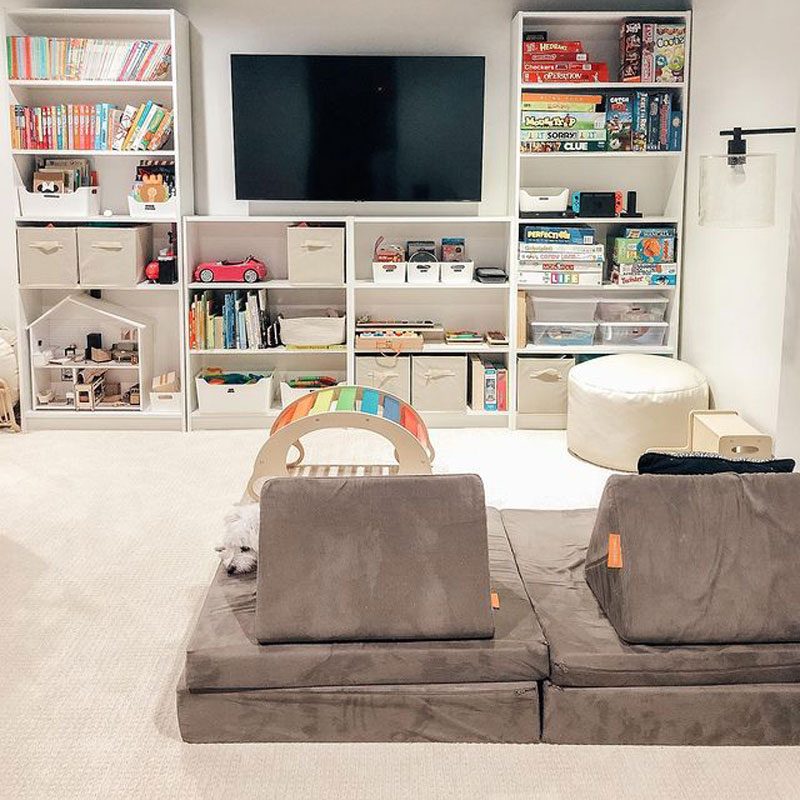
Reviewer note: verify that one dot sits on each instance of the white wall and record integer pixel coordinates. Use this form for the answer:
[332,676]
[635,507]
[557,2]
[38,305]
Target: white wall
[743,72]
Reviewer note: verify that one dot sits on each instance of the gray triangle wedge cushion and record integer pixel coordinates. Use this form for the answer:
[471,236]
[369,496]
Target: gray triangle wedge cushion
[698,559]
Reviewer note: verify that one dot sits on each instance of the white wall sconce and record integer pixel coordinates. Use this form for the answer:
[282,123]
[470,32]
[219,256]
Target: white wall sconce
[737,190]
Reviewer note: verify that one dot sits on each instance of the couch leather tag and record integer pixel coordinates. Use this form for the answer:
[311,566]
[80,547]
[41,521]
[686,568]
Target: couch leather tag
[495,601]
[614,551]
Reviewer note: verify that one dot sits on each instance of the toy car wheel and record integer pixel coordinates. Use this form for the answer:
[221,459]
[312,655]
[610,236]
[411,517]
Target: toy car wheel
[206,275]
[250,276]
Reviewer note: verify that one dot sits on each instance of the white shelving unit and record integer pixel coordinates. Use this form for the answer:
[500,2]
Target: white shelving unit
[479,306]
[162,304]
[657,176]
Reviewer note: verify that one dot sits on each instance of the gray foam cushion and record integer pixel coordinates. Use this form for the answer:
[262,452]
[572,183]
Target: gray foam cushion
[373,558]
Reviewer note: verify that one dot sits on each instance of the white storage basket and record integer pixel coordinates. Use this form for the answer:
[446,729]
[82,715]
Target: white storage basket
[389,271]
[83,202]
[423,271]
[457,273]
[166,402]
[313,331]
[250,398]
[166,210]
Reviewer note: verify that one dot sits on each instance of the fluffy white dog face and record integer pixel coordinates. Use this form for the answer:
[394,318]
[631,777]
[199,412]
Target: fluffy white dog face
[239,549]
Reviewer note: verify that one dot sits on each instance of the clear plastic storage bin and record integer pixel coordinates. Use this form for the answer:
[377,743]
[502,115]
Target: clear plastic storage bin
[563,334]
[653,334]
[562,307]
[632,309]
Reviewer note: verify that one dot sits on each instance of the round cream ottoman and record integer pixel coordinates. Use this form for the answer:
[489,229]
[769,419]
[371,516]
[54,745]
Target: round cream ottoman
[619,406]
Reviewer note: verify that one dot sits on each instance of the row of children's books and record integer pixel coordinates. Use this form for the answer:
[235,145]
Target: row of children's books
[237,320]
[488,385]
[99,126]
[63,59]
[635,120]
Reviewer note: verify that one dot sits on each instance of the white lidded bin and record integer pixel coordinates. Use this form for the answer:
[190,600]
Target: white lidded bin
[315,254]
[562,307]
[457,273]
[632,309]
[563,334]
[391,272]
[313,331]
[166,402]
[250,398]
[634,334]
[83,202]
[423,271]
[291,393]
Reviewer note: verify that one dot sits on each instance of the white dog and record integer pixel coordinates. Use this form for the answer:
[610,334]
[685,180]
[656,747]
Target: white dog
[239,549]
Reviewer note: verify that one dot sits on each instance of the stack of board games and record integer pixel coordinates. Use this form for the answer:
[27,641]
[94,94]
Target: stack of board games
[644,256]
[652,51]
[559,62]
[562,122]
[560,256]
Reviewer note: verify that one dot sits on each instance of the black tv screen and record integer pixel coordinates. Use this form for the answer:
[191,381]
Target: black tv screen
[373,128]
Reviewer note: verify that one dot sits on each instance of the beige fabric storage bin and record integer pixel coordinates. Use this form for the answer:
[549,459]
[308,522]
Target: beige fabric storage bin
[315,255]
[390,373]
[542,390]
[439,383]
[47,256]
[114,256]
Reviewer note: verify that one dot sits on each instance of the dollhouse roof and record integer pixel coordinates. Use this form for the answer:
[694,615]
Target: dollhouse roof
[101,307]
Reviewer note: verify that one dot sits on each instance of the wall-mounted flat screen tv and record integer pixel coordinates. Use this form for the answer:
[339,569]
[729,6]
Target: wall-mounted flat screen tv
[358,128]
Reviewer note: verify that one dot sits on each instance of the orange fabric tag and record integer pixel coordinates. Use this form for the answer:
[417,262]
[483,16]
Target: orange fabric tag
[614,551]
[495,601]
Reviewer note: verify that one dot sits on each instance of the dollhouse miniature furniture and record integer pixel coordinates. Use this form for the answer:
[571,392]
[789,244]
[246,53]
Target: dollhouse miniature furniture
[9,380]
[420,572]
[619,406]
[344,407]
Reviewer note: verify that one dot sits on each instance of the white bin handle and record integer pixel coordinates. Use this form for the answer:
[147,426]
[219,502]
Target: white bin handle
[107,245]
[433,374]
[46,246]
[547,373]
[316,244]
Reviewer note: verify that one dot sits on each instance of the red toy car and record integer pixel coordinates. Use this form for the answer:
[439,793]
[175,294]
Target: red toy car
[249,271]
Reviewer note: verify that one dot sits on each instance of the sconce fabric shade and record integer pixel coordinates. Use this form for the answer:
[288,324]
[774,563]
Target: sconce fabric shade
[738,196]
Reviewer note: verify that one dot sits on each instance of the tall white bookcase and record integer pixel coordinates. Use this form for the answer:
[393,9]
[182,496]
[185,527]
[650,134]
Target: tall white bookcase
[658,177]
[115,169]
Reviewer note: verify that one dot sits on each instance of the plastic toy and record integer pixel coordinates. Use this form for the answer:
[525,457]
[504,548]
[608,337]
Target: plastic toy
[248,271]
[344,407]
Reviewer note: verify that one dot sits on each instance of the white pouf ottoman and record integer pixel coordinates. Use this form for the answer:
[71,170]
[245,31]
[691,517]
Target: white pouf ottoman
[619,406]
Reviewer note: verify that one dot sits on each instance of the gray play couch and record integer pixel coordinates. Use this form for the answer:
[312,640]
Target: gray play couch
[403,654]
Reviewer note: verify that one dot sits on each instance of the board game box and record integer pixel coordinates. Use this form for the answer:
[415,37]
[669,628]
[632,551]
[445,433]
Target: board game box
[565,234]
[669,52]
[649,249]
[630,51]
[619,121]
[564,147]
[568,120]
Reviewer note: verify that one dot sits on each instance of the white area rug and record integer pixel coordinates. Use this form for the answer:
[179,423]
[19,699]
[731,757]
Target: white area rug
[105,550]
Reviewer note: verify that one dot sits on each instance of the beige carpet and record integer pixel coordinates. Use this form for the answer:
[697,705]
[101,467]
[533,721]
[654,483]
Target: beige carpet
[106,549]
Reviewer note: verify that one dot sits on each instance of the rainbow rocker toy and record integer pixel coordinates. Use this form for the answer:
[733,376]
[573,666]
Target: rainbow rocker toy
[344,407]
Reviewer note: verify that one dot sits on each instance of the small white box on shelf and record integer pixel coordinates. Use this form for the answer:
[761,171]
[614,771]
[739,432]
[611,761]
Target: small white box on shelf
[457,273]
[392,272]
[562,307]
[166,402]
[225,398]
[166,210]
[83,202]
[315,255]
[423,271]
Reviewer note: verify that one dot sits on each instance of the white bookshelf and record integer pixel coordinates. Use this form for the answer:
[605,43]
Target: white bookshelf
[478,306]
[163,304]
[658,177]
